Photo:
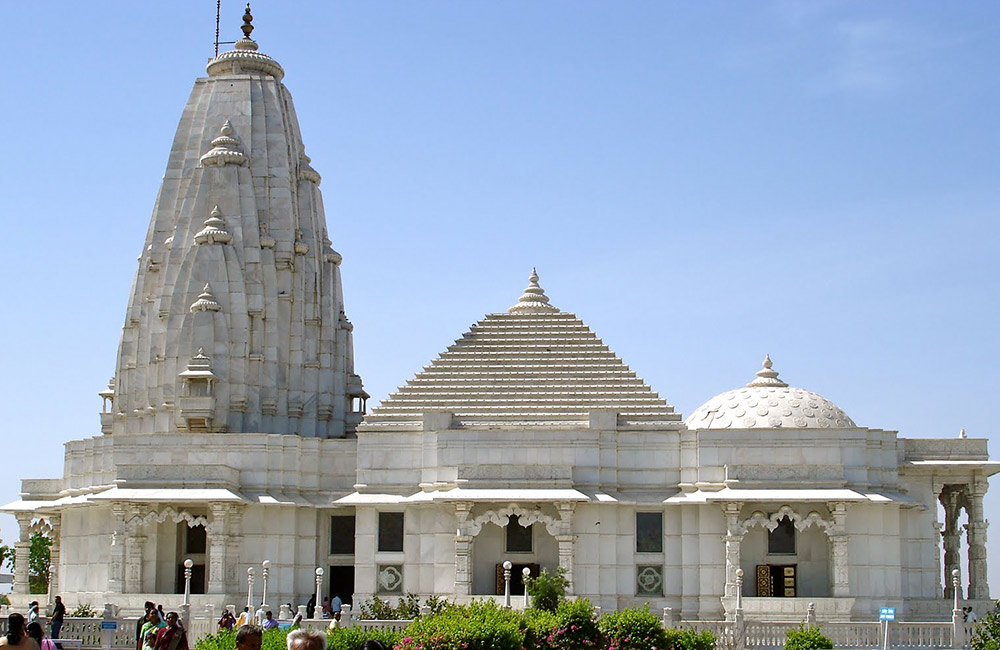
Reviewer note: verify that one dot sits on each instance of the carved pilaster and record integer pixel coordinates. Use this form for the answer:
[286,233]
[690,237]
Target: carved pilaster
[734,538]
[841,562]
[463,549]
[233,580]
[133,562]
[55,522]
[116,570]
[566,541]
[218,540]
[22,549]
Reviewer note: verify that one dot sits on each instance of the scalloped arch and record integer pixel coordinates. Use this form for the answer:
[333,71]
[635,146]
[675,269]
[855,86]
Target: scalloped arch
[139,521]
[526,518]
[759,518]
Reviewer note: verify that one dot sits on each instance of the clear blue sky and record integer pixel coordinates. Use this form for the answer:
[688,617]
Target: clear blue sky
[702,183]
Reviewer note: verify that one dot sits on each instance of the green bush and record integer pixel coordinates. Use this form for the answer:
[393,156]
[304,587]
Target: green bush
[546,589]
[807,638]
[406,609]
[482,625]
[538,624]
[352,638]
[576,627]
[634,629]
[987,634]
[349,638]
[83,611]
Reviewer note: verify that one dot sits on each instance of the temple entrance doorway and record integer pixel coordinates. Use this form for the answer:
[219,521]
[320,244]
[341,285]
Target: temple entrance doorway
[342,582]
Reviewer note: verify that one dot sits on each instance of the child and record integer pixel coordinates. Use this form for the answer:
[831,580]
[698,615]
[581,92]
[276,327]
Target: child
[149,641]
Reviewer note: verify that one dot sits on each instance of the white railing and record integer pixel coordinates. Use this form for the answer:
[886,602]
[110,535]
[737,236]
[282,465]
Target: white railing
[770,635]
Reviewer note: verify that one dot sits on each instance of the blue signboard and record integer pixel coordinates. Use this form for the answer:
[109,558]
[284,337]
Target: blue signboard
[887,614]
[109,625]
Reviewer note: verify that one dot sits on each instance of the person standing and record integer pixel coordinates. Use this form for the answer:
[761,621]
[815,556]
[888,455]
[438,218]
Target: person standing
[336,605]
[269,621]
[32,611]
[147,608]
[173,636]
[311,606]
[58,613]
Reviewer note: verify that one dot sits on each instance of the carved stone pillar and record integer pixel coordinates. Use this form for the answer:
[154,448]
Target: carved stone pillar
[22,552]
[234,580]
[55,522]
[218,540]
[733,539]
[951,536]
[567,542]
[133,562]
[978,585]
[116,570]
[841,584]
[463,549]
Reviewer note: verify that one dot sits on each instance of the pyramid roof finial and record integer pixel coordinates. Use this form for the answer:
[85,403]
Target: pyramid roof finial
[766,376]
[533,299]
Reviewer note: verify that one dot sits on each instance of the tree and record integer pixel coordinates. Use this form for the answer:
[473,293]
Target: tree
[547,590]
[39,560]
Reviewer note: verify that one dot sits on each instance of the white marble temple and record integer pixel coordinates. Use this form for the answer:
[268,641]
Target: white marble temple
[232,433]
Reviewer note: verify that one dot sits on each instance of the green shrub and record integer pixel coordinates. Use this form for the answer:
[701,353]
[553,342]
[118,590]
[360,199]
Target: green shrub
[538,624]
[352,638]
[634,629]
[349,638]
[691,640]
[807,638]
[482,625]
[406,609]
[576,627]
[546,589]
[987,634]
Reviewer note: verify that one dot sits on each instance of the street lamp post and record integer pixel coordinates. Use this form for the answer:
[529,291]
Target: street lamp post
[957,623]
[188,563]
[319,590]
[506,583]
[250,591]
[265,569]
[525,573]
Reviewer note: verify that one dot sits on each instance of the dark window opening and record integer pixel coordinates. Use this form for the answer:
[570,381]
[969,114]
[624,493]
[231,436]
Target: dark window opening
[781,540]
[518,536]
[390,531]
[649,532]
[195,540]
[342,535]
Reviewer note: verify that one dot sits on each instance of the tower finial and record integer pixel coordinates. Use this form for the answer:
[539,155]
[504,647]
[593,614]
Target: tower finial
[247,26]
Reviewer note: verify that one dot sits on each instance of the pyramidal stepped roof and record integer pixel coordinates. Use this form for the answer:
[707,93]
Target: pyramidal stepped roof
[532,365]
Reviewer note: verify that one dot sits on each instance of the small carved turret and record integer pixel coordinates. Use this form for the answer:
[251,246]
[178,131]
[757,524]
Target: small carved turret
[225,149]
[214,231]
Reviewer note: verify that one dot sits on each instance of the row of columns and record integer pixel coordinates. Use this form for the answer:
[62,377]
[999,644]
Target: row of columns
[955,497]
[128,546]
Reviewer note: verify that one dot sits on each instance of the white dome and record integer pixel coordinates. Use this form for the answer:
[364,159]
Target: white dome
[768,403]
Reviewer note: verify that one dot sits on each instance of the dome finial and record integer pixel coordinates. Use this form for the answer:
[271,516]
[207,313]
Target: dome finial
[766,376]
[533,298]
[247,26]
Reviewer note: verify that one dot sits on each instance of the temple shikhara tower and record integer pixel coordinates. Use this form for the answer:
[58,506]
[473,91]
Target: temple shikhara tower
[235,430]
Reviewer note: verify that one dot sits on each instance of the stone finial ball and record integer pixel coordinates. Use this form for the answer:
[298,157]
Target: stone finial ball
[188,563]
[739,573]
[507,565]
[319,571]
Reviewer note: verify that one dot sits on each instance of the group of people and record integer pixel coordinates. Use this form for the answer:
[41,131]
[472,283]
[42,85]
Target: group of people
[158,631]
[331,609]
[27,632]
